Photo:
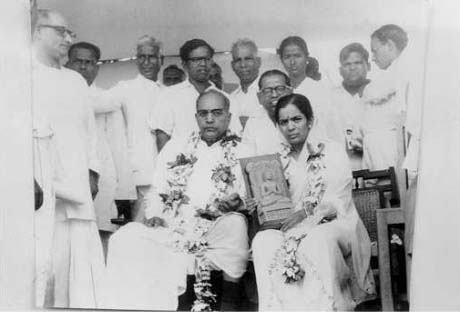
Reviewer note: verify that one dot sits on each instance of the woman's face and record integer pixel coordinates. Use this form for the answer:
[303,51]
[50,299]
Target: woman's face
[294,60]
[293,125]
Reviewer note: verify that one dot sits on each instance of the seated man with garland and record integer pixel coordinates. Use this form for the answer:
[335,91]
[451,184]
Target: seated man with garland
[193,222]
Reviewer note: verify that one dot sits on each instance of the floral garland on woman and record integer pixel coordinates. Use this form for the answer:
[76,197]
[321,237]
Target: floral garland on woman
[285,260]
[191,240]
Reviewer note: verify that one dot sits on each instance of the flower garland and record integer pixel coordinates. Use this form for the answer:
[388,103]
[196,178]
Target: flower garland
[191,240]
[285,259]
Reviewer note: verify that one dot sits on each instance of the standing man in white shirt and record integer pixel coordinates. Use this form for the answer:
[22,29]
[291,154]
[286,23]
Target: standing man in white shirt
[346,103]
[60,95]
[246,64]
[139,97]
[175,116]
[115,183]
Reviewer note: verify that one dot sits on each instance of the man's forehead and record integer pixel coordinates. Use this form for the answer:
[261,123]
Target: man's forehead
[148,49]
[211,101]
[54,18]
[83,54]
[353,57]
[245,50]
[273,80]
[200,51]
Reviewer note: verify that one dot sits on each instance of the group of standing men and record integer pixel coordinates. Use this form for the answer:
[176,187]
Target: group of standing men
[96,150]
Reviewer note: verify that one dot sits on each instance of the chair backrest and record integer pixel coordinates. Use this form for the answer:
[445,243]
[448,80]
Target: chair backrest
[384,181]
[367,201]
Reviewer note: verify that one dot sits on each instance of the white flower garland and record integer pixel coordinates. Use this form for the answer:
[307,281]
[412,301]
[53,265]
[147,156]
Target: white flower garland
[285,260]
[189,237]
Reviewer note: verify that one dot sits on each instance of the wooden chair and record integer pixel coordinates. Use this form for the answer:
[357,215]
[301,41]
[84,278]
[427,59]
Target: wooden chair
[376,214]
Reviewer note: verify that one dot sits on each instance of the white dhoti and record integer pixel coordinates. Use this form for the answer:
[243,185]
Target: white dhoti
[78,263]
[325,256]
[145,272]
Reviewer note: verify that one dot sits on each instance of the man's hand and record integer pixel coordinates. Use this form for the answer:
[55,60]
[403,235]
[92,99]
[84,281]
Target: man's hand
[232,202]
[93,183]
[293,220]
[38,194]
[250,204]
[154,222]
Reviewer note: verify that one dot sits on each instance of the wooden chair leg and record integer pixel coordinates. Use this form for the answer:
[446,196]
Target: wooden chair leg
[384,218]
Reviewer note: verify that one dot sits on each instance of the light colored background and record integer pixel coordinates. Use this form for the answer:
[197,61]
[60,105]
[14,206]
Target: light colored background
[326,25]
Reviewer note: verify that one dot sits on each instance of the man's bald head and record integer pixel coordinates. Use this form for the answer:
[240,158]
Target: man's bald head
[216,95]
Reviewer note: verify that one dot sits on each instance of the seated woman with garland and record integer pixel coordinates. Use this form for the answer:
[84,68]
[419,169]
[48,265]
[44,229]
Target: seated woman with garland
[192,226]
[320,257]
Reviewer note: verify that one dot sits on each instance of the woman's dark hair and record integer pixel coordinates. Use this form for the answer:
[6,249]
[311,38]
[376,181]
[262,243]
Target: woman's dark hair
[298,100]
[312,69]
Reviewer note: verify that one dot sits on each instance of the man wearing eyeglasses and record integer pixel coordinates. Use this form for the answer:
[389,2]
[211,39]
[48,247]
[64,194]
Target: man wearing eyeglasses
[246,64]
[138,98]
[70,262]
[159,272]
[176,110]
[261,130]
[115,182]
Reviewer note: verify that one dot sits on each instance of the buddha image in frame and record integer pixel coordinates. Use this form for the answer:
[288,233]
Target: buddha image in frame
[268,186]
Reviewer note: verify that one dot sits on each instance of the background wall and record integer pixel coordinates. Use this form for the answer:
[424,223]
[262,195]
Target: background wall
[326,25]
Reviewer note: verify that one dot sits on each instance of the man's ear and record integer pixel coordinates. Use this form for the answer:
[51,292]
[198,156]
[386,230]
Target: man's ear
[260,97]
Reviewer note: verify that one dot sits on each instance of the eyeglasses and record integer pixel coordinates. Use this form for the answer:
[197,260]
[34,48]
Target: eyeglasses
[61,30]
[198,60]
[147,57]
[203,113]
[278,89]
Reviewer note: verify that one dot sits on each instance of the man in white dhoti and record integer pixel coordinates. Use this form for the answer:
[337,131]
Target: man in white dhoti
[60,97]
[320,258]
[174,116]
[261,130]
[139,98]
[388,44]
[115,182]
[246,64]
[191,225]
[346,103]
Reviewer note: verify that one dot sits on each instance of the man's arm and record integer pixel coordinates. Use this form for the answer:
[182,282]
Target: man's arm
[162,138]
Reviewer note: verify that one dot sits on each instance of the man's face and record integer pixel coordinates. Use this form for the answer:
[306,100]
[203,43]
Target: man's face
[148,61]
[215,75]
[354,69]
[381,53]
[84,61]
[198,65]
[53,36]
[273,88]
[245,64]
[172,77]
[212,117]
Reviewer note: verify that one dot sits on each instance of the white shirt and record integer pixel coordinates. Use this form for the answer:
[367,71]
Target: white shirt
[263,134]
[247,104]
[317,93]
[62,96]
[200,185]
[175,115]
[346,114]
[139,97]
[113,141]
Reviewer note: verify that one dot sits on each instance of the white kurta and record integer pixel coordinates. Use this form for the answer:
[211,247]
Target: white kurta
[175,115]
[335,255]
[61,95]
[139,98]
[318,93]
[263,134]
[247,104]
[346,113]
[157,272]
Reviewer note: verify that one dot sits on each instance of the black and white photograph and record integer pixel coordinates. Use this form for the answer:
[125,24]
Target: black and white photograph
[257,155]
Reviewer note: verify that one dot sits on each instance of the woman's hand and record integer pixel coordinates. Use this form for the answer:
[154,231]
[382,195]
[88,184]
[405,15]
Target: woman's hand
[293,220]
[154,222]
